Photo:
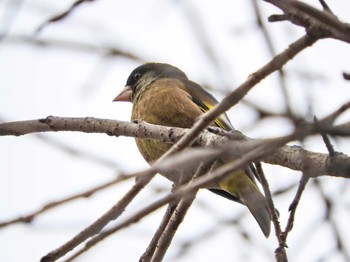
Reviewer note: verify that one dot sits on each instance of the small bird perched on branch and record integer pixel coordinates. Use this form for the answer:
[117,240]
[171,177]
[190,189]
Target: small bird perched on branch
[162,94]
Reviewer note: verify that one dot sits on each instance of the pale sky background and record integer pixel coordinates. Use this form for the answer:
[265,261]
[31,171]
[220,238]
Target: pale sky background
[37,81]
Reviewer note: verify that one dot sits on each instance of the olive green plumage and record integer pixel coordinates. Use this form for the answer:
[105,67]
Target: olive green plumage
[162,94]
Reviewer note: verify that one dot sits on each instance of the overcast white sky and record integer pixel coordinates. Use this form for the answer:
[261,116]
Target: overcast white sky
[38,81]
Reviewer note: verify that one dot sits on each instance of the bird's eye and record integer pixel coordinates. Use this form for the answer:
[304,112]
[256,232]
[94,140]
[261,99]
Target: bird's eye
[137,76]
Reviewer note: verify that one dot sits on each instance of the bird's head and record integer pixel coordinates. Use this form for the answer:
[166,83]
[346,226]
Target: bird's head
[141,78]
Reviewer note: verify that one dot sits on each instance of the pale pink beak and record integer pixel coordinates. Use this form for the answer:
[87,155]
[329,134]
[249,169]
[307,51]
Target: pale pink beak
[124,95]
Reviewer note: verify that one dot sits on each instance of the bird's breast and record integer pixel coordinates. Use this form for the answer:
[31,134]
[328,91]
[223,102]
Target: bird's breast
[165,103]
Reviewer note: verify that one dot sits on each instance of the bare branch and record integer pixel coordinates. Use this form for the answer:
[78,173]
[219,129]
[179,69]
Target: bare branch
[63,15]
[272,51]
[147,255]
[293,157]
[326,7]
[200,182]
[101,222]
[108,51]
[293,206]
[280,252]
[326,140]
[275,64]
[207,144]
[254,150]
[175,220]
[317,23]
[342,248]
[29,217]
[158,246]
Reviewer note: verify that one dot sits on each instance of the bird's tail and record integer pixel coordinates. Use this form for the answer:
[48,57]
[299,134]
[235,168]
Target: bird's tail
[256,203]
[243,188]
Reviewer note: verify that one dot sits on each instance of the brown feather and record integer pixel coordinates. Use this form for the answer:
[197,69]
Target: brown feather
[182,113]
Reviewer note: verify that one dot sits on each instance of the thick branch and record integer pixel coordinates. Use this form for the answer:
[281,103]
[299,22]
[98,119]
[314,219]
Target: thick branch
[293,157]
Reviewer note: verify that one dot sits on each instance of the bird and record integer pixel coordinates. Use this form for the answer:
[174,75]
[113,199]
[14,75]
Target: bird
[162,94]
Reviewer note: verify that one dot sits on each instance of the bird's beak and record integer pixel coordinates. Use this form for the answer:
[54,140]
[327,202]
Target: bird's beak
[124,95]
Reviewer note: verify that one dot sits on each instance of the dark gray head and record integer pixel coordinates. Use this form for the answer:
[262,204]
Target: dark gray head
[142,76]
[154,71]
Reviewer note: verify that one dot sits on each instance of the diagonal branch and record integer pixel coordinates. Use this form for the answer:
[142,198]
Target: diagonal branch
[63,15]
[177,211]
[259,151]
[102,221]
[29,217]
[275,64]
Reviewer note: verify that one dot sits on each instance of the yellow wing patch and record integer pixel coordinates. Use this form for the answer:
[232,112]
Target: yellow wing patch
[220,122]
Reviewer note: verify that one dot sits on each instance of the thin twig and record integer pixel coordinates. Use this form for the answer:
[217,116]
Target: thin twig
[61,16]
[326,139]
[71,150]
[272,51]
[280,252]
[272,209]
[104,50]
[329,205]
[29,217]
[326,7]
[147,255]
[176,218]
[293,206]
[101,222]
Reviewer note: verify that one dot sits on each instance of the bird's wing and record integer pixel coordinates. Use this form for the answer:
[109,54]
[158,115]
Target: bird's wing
[205,102]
